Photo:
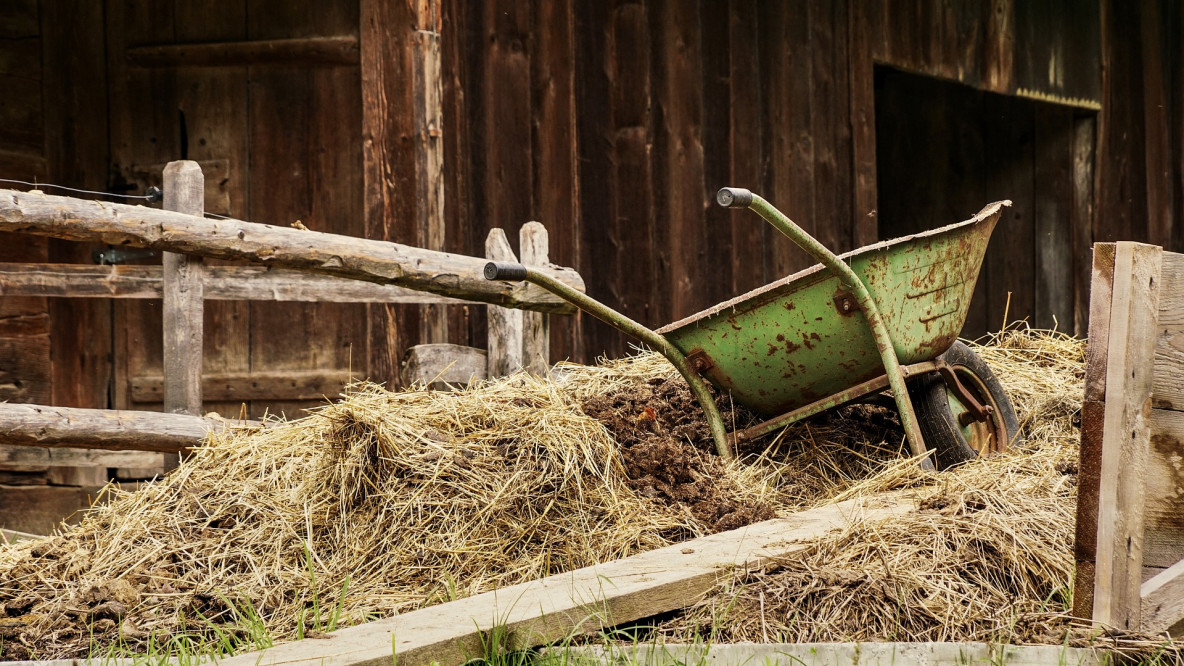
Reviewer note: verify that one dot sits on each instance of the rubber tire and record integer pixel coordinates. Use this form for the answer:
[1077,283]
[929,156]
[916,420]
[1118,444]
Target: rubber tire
[936,420]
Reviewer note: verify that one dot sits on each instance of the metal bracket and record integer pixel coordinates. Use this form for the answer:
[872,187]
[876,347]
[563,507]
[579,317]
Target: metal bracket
[112,256]
[699,361]
[846,303]
[976,411]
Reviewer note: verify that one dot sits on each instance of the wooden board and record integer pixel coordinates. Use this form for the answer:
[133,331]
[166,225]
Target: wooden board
[585,600]
[41,509]
[1125,438]
[221,283]
[239,387]
[1129,544]
[27,456]
[1163,518]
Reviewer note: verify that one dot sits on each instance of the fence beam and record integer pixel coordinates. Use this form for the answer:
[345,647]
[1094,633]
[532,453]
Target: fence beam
[105,429]
[443,273]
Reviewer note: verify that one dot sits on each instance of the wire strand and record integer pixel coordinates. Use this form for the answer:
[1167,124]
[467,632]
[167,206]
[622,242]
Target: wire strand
[149,197]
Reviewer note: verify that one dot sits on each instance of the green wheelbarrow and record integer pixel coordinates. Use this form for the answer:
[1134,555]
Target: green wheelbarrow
[885,316]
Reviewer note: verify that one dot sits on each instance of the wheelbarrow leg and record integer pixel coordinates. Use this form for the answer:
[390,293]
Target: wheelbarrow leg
[495,270]
[734,197]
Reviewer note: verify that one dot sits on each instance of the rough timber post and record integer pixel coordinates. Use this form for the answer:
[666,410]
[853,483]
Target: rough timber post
[505,325]
[536,326]
[184,192]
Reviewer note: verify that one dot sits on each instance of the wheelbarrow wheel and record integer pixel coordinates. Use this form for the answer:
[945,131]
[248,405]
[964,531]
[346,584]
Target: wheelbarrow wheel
[944,419]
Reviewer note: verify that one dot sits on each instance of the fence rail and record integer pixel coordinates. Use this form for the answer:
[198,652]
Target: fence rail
[298,265]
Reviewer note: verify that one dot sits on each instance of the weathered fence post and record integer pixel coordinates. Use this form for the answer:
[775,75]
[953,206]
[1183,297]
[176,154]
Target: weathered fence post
[536,326]
[184,192]
[518,340]
[505,325]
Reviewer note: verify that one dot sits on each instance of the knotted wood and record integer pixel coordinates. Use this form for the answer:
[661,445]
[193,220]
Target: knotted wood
[443,273]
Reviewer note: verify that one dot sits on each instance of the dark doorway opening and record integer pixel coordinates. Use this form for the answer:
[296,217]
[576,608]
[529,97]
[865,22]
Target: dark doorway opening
[944,150]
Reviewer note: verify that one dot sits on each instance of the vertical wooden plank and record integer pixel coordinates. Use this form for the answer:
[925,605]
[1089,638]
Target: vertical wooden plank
[466,325]
[1085,542]
[387,169]
[633,221]
[556,164]
[505,336]
[214,101]
[305,168]
[747,154]
[863,126]
[1157,147]
[1011,256]
[506,115]
[1053,298]
[679,200]
[999,47]
[596,140]
[716,285]
[790,108]
[144,130]
[1119,179]
[427,85]
[1081,216]
[830,132]
[1126,435]
[74,89]
[536,326]
[184,192]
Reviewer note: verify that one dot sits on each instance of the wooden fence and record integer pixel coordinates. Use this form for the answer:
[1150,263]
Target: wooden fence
[1130,506]
[297,265]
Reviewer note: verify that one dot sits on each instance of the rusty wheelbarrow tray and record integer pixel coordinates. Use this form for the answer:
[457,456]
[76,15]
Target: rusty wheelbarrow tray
[850,326]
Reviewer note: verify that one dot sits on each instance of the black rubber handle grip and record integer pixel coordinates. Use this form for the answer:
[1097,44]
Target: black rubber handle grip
[734,197]
[502,270]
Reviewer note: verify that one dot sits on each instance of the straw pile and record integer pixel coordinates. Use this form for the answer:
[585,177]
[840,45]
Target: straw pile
[385,502]
[988,558]
[377,504]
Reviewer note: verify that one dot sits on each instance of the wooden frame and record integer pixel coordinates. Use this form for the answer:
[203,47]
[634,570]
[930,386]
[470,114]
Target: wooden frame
[516,340]
[1130,536]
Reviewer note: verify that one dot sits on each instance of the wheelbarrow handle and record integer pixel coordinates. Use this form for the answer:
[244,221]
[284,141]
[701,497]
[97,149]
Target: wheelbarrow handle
[734,197]
[504,270]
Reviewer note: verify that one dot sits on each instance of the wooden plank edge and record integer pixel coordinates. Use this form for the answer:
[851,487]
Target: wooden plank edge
[70,457]
[1130,352]
[584,600]
[246,386]
[220,283]
[335,50]
[1162,597]
[12,536]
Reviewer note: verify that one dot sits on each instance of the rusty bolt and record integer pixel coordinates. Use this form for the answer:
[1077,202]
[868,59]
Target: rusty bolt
[846,304]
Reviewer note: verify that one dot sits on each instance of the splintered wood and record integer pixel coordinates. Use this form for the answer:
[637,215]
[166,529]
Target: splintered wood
[1130,541]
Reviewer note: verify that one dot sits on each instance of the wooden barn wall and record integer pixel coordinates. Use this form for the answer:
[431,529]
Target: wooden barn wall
[53,128]
[278,143]
[611,122]
[614,123]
